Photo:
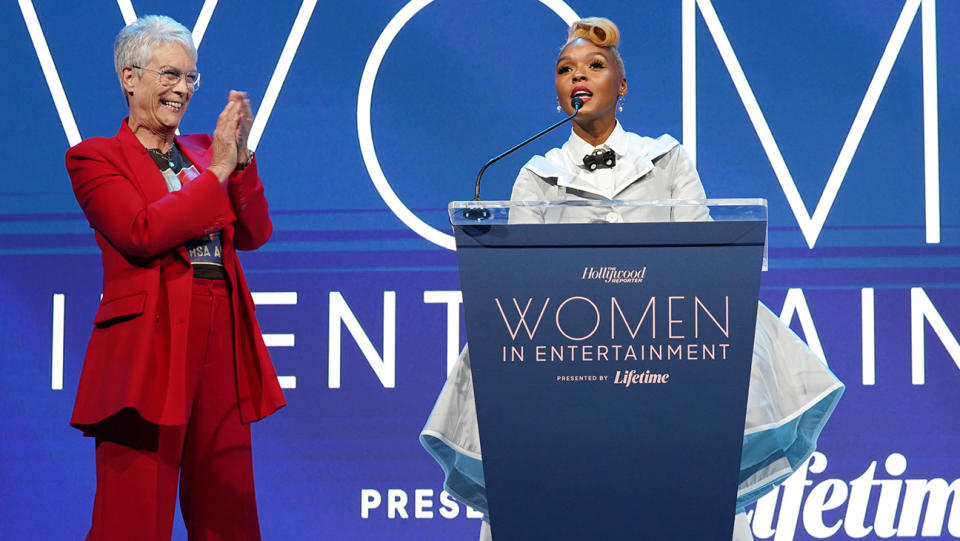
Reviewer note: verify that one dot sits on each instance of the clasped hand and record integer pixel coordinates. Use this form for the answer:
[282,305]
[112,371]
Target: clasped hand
[230,136]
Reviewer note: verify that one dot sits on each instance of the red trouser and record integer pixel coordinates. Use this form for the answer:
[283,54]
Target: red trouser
[138,463]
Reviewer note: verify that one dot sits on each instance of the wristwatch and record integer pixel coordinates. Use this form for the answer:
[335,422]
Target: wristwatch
[242,166]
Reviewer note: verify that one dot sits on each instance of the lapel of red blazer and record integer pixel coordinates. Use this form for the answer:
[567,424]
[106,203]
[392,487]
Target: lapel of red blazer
[198,155]
[144,173]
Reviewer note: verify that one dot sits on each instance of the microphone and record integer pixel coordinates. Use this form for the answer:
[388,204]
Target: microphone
[481,213]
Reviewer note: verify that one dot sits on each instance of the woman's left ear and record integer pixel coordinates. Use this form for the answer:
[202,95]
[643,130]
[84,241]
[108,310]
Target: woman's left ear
[623,86]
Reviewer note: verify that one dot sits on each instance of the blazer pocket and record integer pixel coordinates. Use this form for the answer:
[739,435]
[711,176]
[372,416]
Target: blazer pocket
[120,309]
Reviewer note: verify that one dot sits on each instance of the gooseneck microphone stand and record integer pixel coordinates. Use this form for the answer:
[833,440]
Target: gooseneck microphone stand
[479,214]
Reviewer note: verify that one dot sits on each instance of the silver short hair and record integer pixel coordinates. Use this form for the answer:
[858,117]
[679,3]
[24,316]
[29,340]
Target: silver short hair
[135,43]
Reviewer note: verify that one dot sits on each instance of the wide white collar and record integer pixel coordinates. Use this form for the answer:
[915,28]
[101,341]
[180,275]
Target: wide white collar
[635,156]
[576,148]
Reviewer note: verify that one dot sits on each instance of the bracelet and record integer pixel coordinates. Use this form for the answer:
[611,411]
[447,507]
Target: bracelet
[242,166]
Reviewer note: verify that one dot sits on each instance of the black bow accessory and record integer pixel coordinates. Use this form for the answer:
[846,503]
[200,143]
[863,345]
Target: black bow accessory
[600,159]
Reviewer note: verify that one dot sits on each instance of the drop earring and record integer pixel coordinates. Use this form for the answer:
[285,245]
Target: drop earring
[558,108]
[620,103]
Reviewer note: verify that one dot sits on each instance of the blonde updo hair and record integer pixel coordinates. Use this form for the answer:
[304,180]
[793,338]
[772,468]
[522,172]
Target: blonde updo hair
[601,32]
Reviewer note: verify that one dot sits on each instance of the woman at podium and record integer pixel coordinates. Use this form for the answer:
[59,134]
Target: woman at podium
[792,393]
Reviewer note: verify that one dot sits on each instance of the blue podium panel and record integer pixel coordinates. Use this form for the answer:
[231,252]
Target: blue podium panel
[611,364]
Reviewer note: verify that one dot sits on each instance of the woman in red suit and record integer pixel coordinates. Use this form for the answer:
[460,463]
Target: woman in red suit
[176,368]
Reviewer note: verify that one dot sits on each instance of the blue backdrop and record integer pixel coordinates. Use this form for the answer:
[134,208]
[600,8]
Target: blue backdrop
[372,115]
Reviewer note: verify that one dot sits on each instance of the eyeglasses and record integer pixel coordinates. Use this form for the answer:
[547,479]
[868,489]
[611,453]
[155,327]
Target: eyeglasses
[170,77]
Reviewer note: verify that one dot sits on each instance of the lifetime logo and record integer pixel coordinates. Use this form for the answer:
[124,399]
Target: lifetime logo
[613,275]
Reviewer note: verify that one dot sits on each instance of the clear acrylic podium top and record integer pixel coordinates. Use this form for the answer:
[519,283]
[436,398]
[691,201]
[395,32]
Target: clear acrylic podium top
[491,213]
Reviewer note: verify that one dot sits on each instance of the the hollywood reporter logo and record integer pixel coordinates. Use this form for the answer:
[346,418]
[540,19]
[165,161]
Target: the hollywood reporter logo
[614,275]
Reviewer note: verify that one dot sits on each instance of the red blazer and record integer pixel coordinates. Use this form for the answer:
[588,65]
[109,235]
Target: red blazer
[137,353]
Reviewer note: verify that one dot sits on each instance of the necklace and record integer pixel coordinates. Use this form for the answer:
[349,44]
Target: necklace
[168,155]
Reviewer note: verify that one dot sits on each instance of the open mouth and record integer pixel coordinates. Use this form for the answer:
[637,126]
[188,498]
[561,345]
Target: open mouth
[172,105]
[582,93]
